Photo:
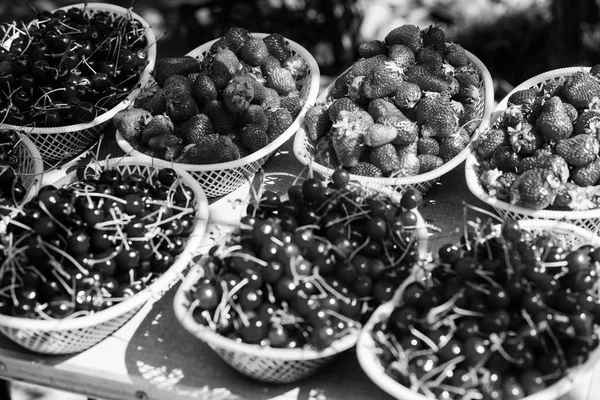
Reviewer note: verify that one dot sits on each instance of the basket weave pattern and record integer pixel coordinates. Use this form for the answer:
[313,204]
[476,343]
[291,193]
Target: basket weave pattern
[223,178]
[303,148]
[588,219]
[72,335]
[61,143]
[30,166]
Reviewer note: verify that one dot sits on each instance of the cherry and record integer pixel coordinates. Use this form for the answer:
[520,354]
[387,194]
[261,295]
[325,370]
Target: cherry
[323,336]
[312,190]
[78,243]
[254,331]
[278,336]
[207,296]
[84,111]
[340,178]
[411,198]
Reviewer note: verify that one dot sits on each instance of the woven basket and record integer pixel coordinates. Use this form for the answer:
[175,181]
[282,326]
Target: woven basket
[61,143]
[267,364]
[303,148]
[223,178]
[589,219]
[366,348]
[72,335]
[30,168]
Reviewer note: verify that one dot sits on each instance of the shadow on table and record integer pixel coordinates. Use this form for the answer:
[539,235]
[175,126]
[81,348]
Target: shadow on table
[164,354]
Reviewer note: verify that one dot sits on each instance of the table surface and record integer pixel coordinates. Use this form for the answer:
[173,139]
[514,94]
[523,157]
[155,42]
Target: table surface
[153,357]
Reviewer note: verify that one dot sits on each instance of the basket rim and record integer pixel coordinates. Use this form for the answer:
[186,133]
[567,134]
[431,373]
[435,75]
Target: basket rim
[471,161]
[38,167]
[123,104]
[488,101]
[372,367]
[152,291]
[311,97]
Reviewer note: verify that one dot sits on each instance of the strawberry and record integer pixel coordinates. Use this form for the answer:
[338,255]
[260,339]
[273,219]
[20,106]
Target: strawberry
[455,55]
[223,66]
[551,162]
[341,104]
[168,66]
[218,45]
[236,37]
[296,65]
[238,93]
[348,133]
[504,158]
[554,122]
[172,152]
[468,94]
[429,162]
[578,150]
[379,134]
[383,80]
[524,98]
[435,37]
[254,137]
[159,125]
[437,117]
[340,86]
[453,144]
[401,55]
[223,120]
[254,115]
[356,90]
[402,151]
[588,122]
[266,97]
[194,128]
[372,48]
[364,168]
[410,164]
[281,80]
[211,149]
[152,98]
[512,116]
[270,63]
[497,183]
[549,88]
[426,80]
[407,95]
[204,89]
[535,188]
[489,141]
[575,197]
[385,158]
[524,138]
[280,120]
[428,146]
[254,52]
[292,102]
[430,59]
[130,122]
[580,88]
[588,175]
[468,76]
[277,46]
[408,131]
[364,66]
[180,104]
[317,122]
[470,118]
[595,70]
[164,141]
[571,112]
[325,153]
[382,107]
[408,35]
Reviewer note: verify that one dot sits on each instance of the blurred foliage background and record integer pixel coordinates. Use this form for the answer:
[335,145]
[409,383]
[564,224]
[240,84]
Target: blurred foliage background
[516,39]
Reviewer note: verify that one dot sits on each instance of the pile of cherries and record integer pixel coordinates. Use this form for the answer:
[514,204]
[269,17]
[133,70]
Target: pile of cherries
[83,247]
[68,66]
[12,190]
[307,269]
[502,316]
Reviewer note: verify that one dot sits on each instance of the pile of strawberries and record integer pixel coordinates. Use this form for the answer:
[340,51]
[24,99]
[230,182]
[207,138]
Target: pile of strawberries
[242,95]
[407,106]
[543,150]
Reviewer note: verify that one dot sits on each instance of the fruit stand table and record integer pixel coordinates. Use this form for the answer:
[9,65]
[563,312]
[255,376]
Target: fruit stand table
[152,357]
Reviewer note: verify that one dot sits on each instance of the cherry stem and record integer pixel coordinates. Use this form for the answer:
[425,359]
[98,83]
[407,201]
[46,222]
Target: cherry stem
[424,338]
[67,256]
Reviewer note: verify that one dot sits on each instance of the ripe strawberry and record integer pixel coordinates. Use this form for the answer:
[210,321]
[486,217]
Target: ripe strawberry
[162,142]
[554,122]
[430,58]
[410,164]
[211,149]
[317,122]
[204,89]
[281,80]
[402,151]
[364,66]
[348,136]
[364,168]
[408,131]
[549,88]
[468,94]
[194,128]
[426,80]
[254,115]
[130,122]
[575,197]
[429,162]
[525,98]
[435,37]
[436,116]
[218,45]
[180,104]
[497,183]
[270,63]
[159,125]
[356,90]
[238,93]
[578,150]
[341,104]
[385,158]
[428,146]
[292,102]
[587,175]
[222,118]
[280,120]
[223,66]
[340,87]
[235,38]
[453,144]
[455,55]
[152,98]
[379,134]
[254,52]
[504,158]
[401,55]
[595,70]
[381,107]
[168,66]
[254,137]
[571,112]
[408,95]
[588,122]
[296,65]
[277,46]
[372,48]
[470,118]
[325,153]
[172,152]
[511,116]
[535,188]
[580,88]
[551,162]
[383,80]
[266,97]
[408,35]
[489,141]
[468,76]
[524,138]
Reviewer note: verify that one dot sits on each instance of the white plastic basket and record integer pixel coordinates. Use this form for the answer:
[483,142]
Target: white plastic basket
[589,219]
[61,143]
[30,166]
[366,348]
[303,148]
[222,178]
[72,335]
